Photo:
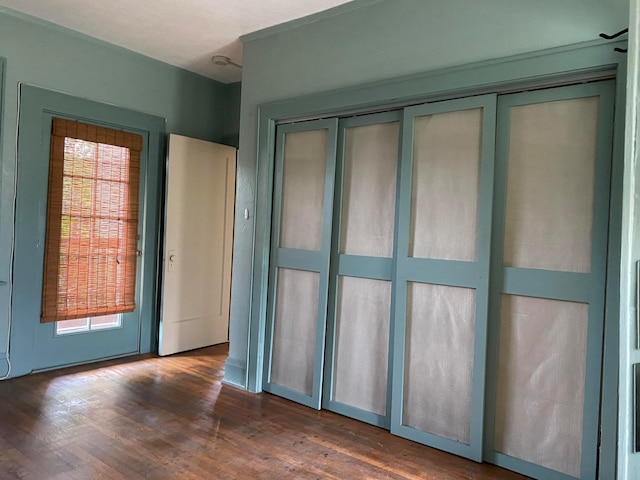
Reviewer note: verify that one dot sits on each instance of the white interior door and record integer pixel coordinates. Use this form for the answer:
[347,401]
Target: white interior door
[197,247]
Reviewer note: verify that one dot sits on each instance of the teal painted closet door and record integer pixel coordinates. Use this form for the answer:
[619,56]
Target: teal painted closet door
[299,276]
[548,277]
[357,376]
[441,279]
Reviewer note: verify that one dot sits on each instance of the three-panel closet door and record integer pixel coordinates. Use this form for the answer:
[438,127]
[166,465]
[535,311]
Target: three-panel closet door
[440,271]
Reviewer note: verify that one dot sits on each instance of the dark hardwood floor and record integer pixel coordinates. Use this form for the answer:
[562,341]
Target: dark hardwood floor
[166,418]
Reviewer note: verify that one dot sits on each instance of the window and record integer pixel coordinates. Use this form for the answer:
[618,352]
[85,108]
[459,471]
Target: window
[92,222]
[90,324]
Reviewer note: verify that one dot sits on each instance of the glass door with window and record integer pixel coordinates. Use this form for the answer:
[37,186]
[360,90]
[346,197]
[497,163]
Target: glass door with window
[101,263]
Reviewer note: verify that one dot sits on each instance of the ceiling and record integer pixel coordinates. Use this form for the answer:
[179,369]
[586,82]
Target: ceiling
[184,33]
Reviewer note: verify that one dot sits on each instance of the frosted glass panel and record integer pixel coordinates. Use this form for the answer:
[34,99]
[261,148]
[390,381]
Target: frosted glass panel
[439,360]
[541,374]
[368,210]
[552,151]
[294,336]
[444,196]
[362,343]
[305,159]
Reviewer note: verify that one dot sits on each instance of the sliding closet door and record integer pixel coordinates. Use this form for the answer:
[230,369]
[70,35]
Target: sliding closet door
[301,238]
[356,377]
[441,300]
[549,267]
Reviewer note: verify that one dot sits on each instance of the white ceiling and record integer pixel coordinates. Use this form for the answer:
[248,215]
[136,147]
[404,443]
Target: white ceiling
[184,33]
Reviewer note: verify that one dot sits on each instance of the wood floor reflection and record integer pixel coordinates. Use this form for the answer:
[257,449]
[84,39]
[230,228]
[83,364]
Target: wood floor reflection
[172,418]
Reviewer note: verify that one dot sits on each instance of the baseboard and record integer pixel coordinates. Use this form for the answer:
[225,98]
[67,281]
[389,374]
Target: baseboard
[4,364]
[235,373]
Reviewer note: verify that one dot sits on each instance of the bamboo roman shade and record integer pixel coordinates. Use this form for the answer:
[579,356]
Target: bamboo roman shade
[92,222]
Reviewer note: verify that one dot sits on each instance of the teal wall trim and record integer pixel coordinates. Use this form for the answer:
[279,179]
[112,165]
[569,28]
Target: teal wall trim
[57,59]
[611,348]
[235,373]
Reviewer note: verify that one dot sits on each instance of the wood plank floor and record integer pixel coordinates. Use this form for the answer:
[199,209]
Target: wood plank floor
[171,418]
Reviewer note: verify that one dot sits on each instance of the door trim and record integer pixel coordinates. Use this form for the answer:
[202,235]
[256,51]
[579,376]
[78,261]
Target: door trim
[5,284]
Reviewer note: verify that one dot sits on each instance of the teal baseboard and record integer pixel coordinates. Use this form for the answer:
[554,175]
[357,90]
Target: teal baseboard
[4,365]
[235,373]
